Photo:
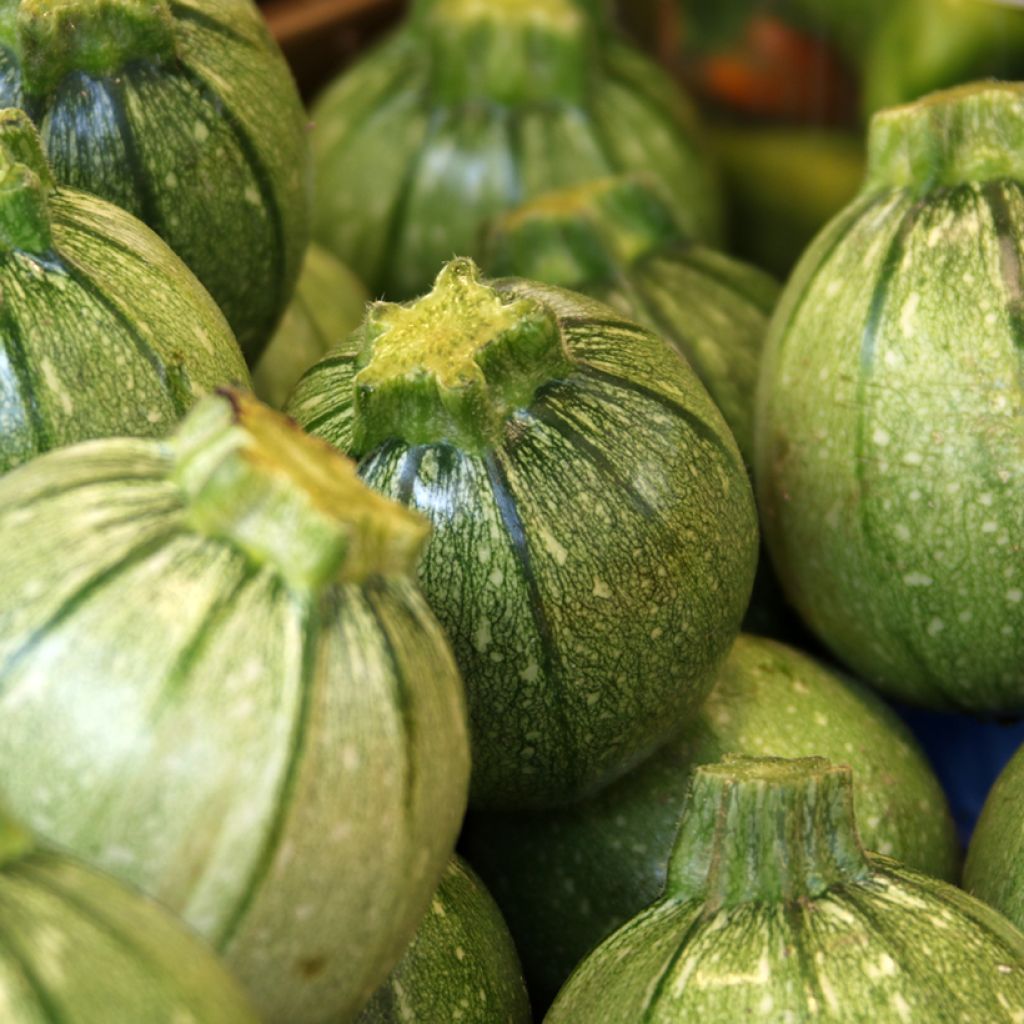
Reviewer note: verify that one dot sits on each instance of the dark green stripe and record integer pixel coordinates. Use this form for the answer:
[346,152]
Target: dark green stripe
[311,628]
[51,1011]
[408,473]
[136,171]
[204,20]
[684,948]
[514,133]
[703,430]
[550,663]
[193,648]
[86,591]
[546,415]
[59,489]
[795,913]
[28,388]
[320,420]
[337,359]
[263,178]
[1009,257]
[597,325]
[131,329]
[400,690]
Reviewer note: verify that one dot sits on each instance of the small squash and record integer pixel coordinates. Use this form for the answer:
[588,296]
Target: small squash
[229,692]
[773,911]
[567,879]
[461,965]
[594,531]
[79,948]
[471,108]
[184,113]
[890,462]
[104,330]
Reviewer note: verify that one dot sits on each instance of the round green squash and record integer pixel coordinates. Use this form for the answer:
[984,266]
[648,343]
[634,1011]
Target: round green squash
[594,532]
[773,911]
[993,871]
[327,306]
[890,463]
[619,241]
[567,879]
[184,113]
[470,109]
[105,331]
[461,965]
[79,948]
[228,691]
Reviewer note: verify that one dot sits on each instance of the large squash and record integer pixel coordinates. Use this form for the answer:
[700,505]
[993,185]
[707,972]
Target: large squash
[104,330]
[184,113]
[890,465]
[594,530]
[472,108]
[228,691]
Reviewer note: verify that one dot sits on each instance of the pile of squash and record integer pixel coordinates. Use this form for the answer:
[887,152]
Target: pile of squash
[488,542]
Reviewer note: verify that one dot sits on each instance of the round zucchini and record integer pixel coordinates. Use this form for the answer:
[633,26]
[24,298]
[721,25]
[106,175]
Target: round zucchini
[228,691]
[184,113]
[594,532]
[567,879]
[79,948]
[470,109]
[890,461]
[461,965]
[773,911]
[105,331]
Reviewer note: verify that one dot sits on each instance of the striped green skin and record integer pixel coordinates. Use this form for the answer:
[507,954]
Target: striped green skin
[288,773]
[567,879]
[461,966]
[404,182]
[890,466]
[78,948]
[993,870]
[210,151]
[327,306]
[108,334]
[591,570]
[896,948]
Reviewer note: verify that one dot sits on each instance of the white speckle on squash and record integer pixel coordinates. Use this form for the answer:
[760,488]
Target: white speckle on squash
[1014,595]
[200,131]
[601,589]
[900,1005]
[551,544]
[917,579]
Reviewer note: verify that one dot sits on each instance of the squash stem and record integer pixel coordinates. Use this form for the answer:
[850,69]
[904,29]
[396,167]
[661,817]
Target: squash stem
[97,37]
[453,366]
[766,830]
[25,187]
[252,477]
[974,133]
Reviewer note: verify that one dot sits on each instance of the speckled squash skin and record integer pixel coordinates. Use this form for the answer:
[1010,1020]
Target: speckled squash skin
[890,465]
[327,306]
[773,912]
[184,113]
[229,692]
[79,948]
[594,540]
[618,241]
[461,966]
[993,870]
[470,109]
[105,331]
[567,879]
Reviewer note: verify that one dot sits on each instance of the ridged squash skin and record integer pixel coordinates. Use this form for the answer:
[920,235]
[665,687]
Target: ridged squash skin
[327,306]
[890,464]
[79,948]
[774,912]
[184,113]
[461,965]
[993,870]
[470,109]
[567,879]
[104,330]
[228,691]
[618,241]
[594,534]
